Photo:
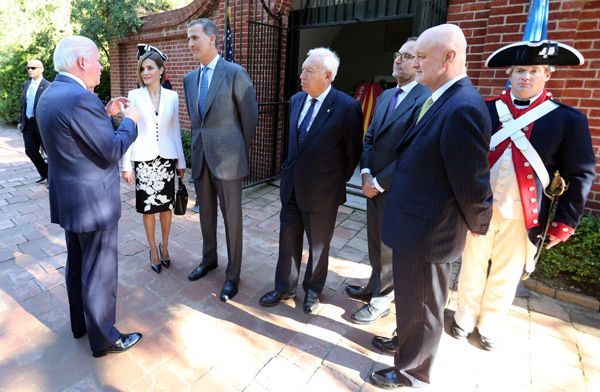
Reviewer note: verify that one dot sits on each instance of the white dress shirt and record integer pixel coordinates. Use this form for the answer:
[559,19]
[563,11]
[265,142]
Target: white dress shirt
[31,91]
[211,70]
[306,106]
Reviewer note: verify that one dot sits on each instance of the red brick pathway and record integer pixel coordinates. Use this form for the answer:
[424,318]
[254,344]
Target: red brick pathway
[194,342]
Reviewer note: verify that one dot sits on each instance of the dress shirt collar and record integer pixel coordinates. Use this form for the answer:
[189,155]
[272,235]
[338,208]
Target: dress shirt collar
[321,97]
[212,64]
[438,93]
[512,99]
[75,78]
[408,86]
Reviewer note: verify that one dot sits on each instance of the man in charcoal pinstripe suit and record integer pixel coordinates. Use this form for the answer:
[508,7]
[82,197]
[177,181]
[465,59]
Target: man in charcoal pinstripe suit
[221,103]
[440,190]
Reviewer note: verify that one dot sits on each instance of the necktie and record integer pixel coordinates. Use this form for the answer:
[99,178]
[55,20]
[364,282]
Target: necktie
[518,102]
[303,128]
[392,104]
[203,90]
[425,108]
[30,100]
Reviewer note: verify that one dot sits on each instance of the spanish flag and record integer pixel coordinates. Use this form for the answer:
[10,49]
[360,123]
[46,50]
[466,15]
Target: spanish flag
[366,94]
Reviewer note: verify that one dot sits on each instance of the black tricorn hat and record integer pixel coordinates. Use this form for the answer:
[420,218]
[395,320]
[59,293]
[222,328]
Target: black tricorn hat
[535,53]
[144,48]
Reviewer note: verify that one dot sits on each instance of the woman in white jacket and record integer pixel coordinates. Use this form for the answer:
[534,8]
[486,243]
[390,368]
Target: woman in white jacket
[156,154]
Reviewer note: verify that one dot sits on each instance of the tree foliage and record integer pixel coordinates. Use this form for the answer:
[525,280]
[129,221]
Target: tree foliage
[32,28]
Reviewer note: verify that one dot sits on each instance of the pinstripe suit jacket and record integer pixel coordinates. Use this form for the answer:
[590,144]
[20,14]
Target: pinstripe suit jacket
[222,136]
[441,184]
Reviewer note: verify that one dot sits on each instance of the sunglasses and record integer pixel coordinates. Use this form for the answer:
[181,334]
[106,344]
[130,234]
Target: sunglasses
[32,68]
[403,56]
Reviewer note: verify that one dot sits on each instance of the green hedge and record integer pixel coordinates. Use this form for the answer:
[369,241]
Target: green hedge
[577,261]
[186,140]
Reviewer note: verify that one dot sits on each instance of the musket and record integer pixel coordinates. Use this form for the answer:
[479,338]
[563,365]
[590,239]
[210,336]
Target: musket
[557,187]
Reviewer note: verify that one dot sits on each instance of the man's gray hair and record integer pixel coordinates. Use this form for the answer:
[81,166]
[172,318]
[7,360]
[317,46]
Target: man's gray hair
[331,61]
[208,27]
[69,49]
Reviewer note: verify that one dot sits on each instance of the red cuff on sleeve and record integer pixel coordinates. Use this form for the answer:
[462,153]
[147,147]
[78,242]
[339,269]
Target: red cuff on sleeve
[560,230]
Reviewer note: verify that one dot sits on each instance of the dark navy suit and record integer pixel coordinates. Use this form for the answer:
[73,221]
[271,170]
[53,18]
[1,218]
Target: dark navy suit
[379,156]
[313,186]
[83,154]
[29,127]
[439,191]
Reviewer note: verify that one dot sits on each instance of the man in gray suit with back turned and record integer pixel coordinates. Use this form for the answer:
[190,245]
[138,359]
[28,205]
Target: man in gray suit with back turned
[395,111]
[223,112]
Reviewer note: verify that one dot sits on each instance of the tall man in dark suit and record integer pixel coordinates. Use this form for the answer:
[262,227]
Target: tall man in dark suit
[221,103]
[440,190]
[83,154]
[395,111]
[32,90]
[325,141]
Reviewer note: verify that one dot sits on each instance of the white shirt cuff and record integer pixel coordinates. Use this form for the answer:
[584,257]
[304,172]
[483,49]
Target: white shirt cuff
[380,189]
[366,170]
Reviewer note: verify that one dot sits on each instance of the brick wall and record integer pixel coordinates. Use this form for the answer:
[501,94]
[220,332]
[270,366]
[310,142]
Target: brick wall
[490,24]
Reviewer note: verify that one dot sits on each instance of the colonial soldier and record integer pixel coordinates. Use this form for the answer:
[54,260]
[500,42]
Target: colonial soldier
[534,137]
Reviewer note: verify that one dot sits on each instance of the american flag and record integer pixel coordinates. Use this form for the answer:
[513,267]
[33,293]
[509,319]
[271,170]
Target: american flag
[227,51]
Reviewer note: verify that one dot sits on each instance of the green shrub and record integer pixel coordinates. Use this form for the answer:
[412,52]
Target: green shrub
[186,140]
[577,261]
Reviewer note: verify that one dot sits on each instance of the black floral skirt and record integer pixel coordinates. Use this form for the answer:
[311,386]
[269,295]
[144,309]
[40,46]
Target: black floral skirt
[154,185]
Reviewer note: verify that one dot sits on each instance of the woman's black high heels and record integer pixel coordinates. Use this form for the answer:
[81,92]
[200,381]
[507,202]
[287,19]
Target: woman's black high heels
[165,262]
[155,267]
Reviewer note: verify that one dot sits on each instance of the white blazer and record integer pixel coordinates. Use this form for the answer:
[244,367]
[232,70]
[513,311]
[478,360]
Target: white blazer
[152,141]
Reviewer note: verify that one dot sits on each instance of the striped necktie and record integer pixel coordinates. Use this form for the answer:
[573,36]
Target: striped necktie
[303,128]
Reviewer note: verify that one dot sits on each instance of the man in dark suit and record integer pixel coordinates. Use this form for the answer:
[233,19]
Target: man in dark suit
[83,154]
[395,111]
[325,141]
[440,190]
[32,90]
[221,103]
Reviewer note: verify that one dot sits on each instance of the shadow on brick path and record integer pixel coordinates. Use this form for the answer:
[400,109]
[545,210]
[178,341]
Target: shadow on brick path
[194,342]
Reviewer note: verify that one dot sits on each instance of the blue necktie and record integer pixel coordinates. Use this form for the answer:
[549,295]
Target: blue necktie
[203,90]
[30,100]
[392,104]
[303,128]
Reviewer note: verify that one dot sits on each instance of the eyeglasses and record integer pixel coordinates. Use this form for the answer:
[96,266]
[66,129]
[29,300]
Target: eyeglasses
[403,56]
[32,68]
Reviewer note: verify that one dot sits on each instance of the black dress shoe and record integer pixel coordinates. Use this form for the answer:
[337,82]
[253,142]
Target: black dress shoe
[311,302]
[201,271]
[41,179]
[155,267]
[389,379]
[457,332]
[125,342]
[358,292]
[79,334]
[368,314]
[386,345]
[230,289]
[165,262]
[272,298]
[487,344]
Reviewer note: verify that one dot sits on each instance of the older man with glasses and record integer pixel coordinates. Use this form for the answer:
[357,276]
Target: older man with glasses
[395,111]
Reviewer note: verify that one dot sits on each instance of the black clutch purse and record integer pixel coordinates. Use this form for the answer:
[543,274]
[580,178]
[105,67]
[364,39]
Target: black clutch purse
[181,199]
